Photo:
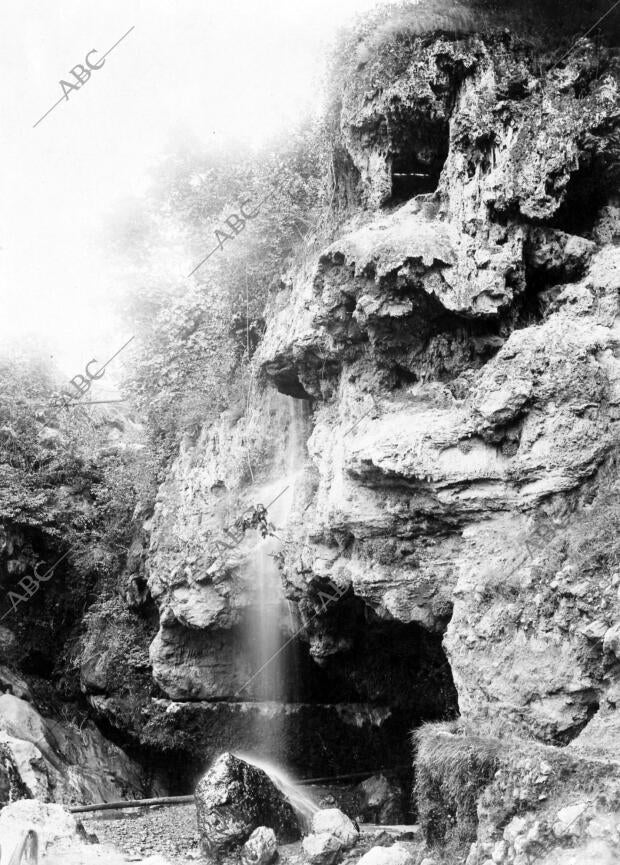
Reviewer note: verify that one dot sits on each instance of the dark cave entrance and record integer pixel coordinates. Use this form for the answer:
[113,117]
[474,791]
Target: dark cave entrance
[356,685]
[588,190]
[417,159]
[371,668]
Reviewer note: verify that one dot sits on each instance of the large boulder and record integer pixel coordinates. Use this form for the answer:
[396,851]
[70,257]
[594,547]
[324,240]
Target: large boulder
[233,799]
[12,786]
[52,823]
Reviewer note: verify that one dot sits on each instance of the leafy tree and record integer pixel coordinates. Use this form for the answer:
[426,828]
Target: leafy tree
[198,333]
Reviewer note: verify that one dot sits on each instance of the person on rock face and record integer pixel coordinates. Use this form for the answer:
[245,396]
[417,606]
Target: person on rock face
[256,518]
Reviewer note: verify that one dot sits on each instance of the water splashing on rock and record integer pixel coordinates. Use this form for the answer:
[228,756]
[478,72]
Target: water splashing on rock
[305,807]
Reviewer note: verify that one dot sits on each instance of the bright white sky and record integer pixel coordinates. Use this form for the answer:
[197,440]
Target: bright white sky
[244,67]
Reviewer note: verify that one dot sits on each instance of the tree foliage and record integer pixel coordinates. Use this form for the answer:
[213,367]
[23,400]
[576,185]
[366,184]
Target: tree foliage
[66,478]
[197,333]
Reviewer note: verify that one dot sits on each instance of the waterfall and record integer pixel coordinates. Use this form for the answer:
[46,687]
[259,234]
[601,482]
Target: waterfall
[271,616]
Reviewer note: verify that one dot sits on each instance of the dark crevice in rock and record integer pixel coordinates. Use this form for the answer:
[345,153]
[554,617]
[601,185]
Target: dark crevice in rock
[587,192]
[591,707]
[286,379]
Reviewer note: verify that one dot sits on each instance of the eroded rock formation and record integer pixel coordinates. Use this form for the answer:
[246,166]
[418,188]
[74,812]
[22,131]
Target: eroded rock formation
[462,352]
[455,351]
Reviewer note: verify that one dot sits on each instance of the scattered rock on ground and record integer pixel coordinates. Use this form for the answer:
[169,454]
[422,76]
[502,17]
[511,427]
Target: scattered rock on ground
[260,848]
[322,848]
[167,830]
[395,855]
[332,820]
[332,833]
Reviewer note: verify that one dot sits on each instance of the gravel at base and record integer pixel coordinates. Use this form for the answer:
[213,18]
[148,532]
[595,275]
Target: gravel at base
[169,830]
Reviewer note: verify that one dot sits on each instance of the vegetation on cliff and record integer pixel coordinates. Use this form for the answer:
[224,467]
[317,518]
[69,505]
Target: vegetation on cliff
[197,333]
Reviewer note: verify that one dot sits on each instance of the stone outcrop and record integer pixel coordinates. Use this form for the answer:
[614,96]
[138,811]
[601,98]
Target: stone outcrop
[512,800]
[51,762]
[201,730]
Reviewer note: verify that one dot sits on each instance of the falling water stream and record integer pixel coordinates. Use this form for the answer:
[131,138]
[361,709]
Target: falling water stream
[270,611]
[272,619]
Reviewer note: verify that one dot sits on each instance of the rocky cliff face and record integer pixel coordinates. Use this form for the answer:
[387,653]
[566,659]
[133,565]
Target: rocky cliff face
[454,359]
[462,352]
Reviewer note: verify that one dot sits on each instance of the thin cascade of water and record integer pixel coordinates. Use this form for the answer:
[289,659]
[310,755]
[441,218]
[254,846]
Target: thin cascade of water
[301,801]
[271,616]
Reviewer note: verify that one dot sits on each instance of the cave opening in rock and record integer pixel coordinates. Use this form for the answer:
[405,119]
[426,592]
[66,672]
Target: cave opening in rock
[587,192]
[418,157]
[354,685]
[364,683]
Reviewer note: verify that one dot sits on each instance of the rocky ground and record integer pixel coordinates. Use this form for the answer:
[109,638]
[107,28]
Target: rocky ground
[167,830]
[171,831]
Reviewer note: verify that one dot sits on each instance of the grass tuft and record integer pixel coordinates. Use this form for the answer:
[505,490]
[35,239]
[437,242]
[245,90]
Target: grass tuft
[451,769]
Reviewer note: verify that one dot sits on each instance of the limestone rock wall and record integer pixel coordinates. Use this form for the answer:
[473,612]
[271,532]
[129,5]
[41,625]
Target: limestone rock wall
[456,349]
[462,349]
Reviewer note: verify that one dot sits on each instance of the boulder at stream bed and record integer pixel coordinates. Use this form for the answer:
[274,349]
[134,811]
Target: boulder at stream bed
[332,833]
[233,799]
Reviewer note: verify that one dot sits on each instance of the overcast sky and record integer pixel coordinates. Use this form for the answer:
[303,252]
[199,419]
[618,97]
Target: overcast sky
[202,69]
